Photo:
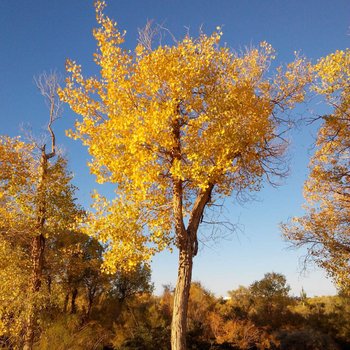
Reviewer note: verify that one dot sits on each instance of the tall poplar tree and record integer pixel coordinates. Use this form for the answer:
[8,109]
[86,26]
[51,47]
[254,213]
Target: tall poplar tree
[25,283]
[37,199]
[176,127]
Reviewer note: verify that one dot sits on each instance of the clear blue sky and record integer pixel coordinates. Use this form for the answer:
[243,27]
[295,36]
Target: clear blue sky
[39,35]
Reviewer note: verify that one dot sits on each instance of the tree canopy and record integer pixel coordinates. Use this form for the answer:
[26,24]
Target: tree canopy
[325,228]
[191,118]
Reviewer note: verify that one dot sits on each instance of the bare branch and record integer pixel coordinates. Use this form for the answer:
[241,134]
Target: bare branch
[164,29]
[147,35]
[48,83]
[26,130]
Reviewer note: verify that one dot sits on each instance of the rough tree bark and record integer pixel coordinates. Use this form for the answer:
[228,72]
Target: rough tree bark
[37,252]
[187,243]
[183,284]
[188,246]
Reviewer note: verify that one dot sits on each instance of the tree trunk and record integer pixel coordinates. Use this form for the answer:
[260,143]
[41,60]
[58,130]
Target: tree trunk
[49,283]
[182,291]
[91,295]
[89,308]
[38,247]
[48,86]
[37,253]
[73,308]
[186,240]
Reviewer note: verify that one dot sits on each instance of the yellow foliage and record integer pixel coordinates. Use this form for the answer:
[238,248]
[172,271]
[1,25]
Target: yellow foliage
[20,194]
[193,114]
[326,226]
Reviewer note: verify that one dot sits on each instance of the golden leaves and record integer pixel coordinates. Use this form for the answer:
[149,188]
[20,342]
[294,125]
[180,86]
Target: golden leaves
[20,191]
[325,227]
[194,112]
[333,72]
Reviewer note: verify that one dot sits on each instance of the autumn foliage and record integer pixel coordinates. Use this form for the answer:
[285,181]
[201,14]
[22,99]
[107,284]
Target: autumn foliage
[175,127]
[194,113]
[325,229]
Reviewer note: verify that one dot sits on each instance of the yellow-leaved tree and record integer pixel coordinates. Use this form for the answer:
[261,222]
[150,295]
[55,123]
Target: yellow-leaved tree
[325,228]
[25,196]
[37,202]
[176,127]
